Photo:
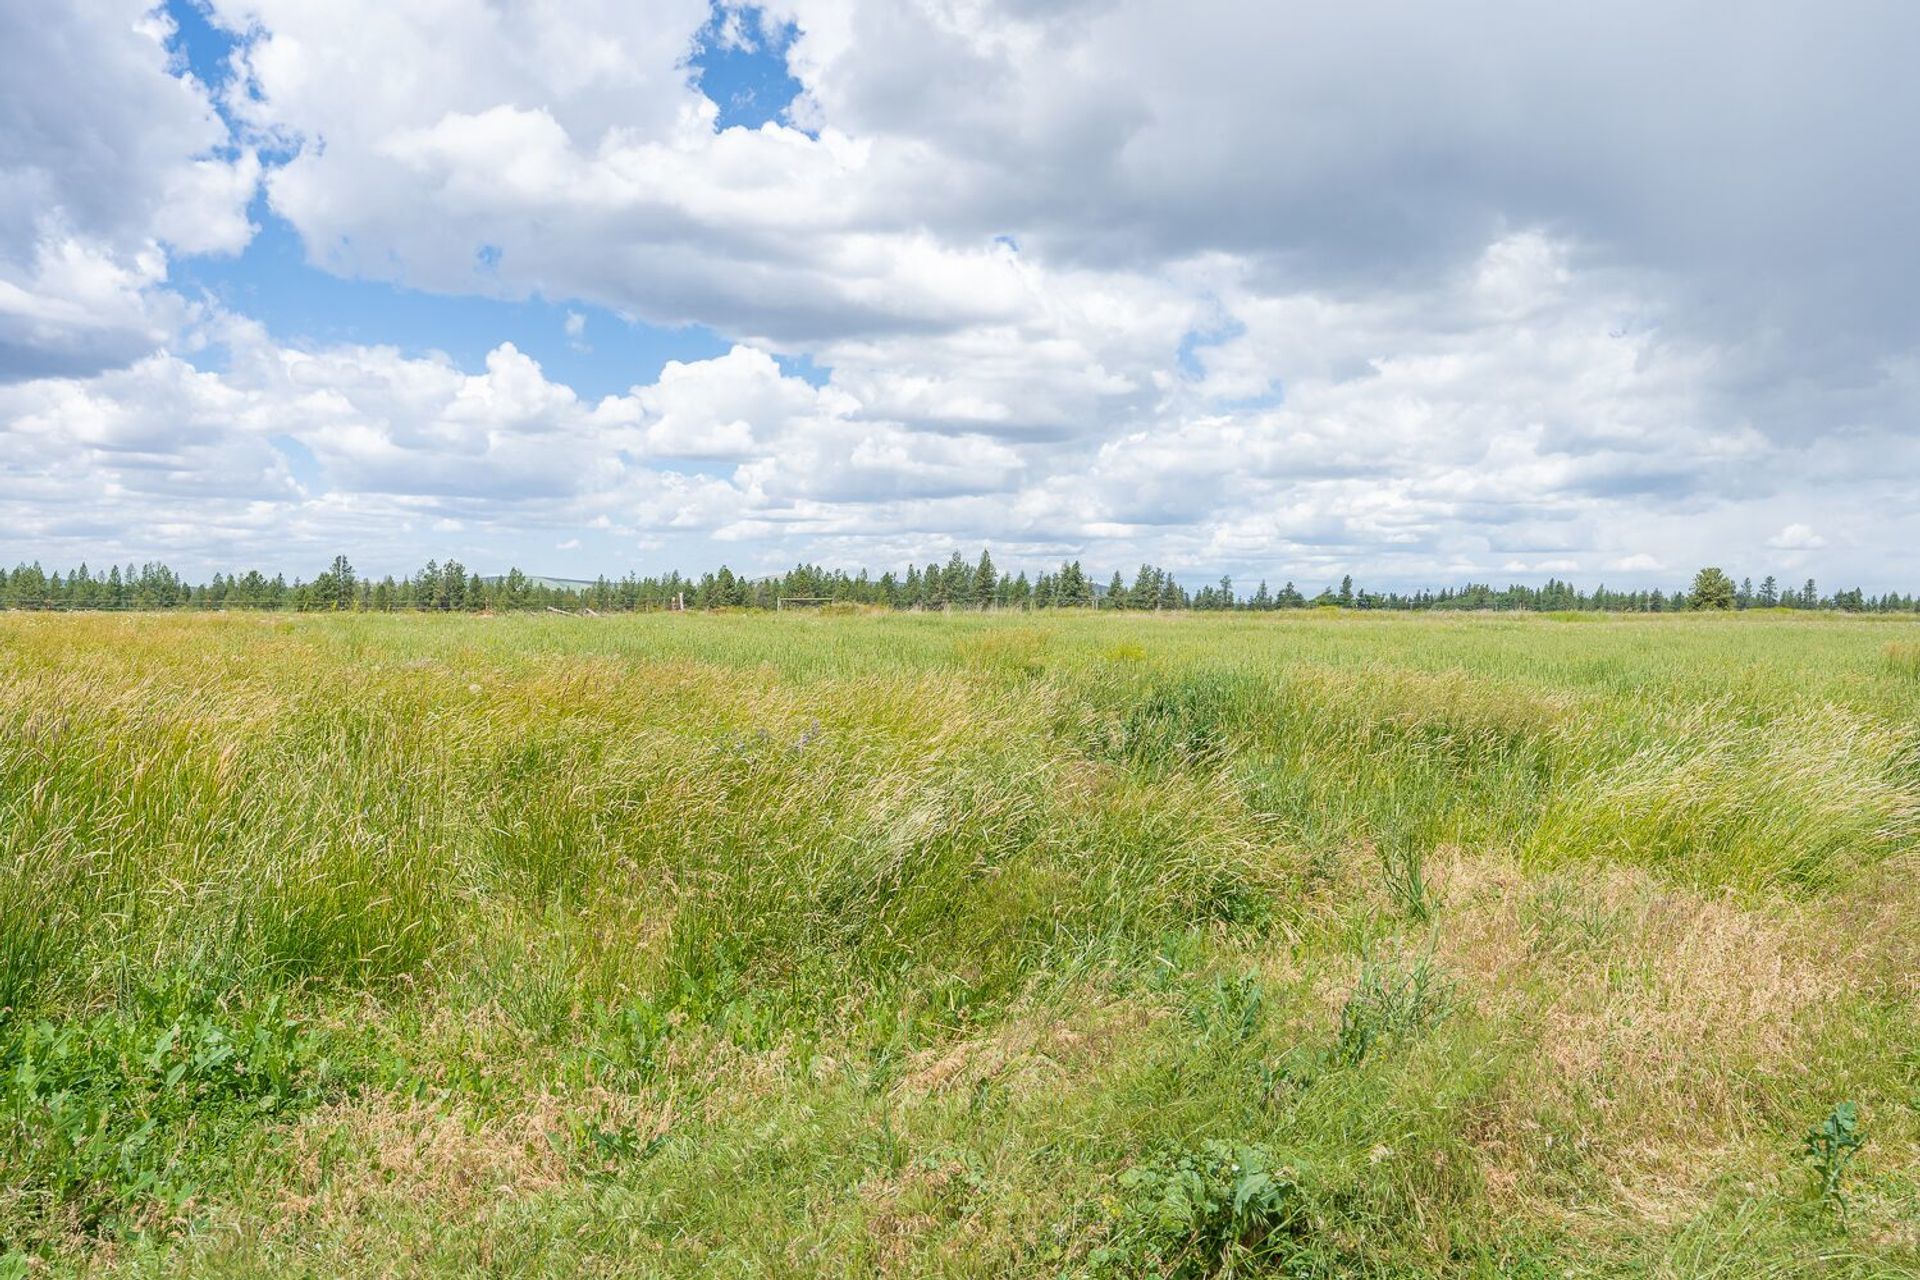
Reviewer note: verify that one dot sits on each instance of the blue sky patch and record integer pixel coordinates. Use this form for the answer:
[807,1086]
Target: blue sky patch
[206,48]
[1191,343]
[306,469]
[274,282]
[740,61]
[302,305]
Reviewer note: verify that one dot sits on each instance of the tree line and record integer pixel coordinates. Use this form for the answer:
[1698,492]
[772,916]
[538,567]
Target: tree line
[956,583]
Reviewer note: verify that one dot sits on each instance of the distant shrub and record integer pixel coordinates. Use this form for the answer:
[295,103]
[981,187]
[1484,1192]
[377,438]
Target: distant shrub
[1711,589]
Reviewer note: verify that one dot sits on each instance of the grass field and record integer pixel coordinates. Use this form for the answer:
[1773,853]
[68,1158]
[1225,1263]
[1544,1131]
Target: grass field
[917,945]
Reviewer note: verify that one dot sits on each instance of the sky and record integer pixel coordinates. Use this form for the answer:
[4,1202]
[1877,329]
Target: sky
[1498,290]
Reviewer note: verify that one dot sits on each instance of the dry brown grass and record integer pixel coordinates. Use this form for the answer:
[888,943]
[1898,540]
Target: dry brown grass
[350,1159]
[1032,1053]
[1658,1019]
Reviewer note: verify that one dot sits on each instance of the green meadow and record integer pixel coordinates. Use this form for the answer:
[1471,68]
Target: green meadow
[1306,944]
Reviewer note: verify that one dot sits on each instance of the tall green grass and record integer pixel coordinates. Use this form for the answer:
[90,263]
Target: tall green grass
[955,945]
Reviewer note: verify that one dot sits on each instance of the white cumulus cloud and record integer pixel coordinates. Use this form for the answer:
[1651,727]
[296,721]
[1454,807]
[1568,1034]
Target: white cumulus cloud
[1234,286]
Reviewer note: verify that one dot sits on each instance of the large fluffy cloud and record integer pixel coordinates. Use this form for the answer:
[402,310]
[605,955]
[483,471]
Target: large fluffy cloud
[108,159]
[415,444]
[1507,441]
[1510,288]
[1320,140]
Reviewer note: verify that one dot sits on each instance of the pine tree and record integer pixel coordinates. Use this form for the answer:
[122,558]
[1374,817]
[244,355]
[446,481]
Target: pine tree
[451,592]
[340,575]
[1712,589]
[985,580]
[956,580]
[1146,589]
[1172,596]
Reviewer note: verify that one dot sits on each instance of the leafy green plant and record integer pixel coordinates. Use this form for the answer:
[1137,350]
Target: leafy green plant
[1220,1210]
[627,1040]
[1389,1004]
[1406,878]
[1230,1009]
[601,1148]
[106,1123]
[1830,1147]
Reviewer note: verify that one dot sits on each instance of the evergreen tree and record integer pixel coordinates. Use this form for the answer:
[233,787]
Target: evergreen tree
[1145,593]
[1712,589]
[451,591]
[986,581]
[334,588]
[956,581]
[450,586]
[1172,595]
